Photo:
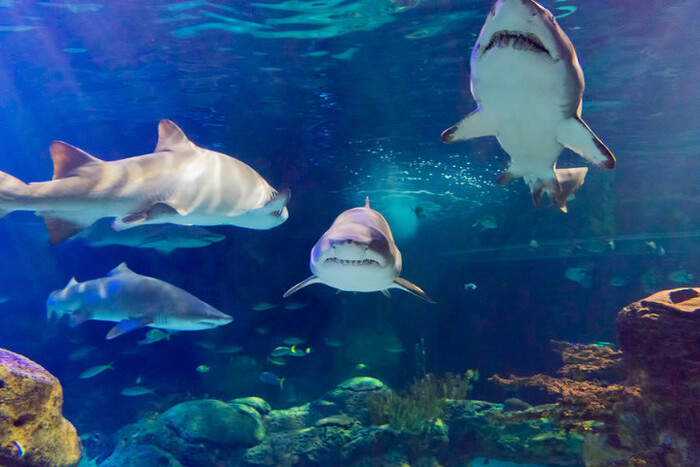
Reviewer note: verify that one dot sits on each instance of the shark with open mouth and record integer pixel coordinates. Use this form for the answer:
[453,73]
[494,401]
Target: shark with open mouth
[528,84]
[358,254]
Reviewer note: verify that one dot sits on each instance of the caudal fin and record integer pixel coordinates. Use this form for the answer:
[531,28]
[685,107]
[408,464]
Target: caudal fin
[11,189]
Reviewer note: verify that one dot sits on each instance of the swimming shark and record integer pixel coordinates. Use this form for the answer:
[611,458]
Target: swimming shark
[132,301]
[528,84]
[180,183]
[162,237]
[358,254]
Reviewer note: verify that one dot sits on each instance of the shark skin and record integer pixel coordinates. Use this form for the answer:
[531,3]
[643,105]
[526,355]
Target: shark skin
[132,301]
[162,237]
[179,183]
[528,84]
[358,254]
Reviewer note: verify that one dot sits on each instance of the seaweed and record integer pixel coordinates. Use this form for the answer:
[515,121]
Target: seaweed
[422,404]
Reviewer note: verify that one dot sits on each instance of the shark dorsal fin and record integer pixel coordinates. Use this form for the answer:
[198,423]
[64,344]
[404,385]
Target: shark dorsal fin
[170,137]
[71,282]
[367,202]
[121,269]
[66,159]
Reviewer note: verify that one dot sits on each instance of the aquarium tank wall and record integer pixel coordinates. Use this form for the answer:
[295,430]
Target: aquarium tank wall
[349,232]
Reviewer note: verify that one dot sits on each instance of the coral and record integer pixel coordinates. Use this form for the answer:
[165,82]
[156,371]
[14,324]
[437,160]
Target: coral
[581,362]
[421,404]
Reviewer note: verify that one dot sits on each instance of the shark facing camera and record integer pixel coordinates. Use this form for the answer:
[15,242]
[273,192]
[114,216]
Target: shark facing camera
[358,254]
[528,84]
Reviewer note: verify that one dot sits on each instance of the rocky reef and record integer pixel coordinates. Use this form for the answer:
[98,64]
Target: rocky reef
[33,432]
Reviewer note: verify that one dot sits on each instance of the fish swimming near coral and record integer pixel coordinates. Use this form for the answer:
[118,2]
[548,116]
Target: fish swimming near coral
[179,183]
[132,301]
[161,237]
[528,84]
[358,254]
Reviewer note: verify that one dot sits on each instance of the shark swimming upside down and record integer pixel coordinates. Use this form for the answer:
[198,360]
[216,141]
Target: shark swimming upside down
[528,84]
[358,254]
[179,183]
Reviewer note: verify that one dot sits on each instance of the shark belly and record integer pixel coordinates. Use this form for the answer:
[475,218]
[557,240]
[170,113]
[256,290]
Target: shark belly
[525,97]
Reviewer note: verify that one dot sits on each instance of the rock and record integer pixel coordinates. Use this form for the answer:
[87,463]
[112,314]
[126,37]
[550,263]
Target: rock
[31,399]
[513,403]
[342,420]
[213,421]
[139,456]
[257,403]
[351,396]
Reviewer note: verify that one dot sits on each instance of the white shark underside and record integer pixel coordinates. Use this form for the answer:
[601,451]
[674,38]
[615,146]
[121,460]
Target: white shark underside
[179,183]
[358,254]
[528,84]
[132,301]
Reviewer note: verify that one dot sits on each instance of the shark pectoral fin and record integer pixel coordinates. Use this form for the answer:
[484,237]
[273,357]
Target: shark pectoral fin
[125,326]
[302,284]
[66,159]
[154,211]
[386,293]
[569,180]
[575,135]
[473,125]
[403,284]
[60,229]
[77,317]
[171,137]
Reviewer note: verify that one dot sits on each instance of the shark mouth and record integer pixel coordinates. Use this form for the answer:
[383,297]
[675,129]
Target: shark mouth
[352,262]
[518,40]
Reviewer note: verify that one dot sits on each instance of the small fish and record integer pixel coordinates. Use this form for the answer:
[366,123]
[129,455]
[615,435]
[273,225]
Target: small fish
[229,349]
[618,281]
[203,369]
[95,370]
[395,348]
[294,352]
[20,449]
[264,306]
[277,361]
[293,340]
[680,276]
[470,286]
[360,366]
[332,342]
[579,275]
[82,352]
[136,391]
[205,345]
[154,335]
[534,244]
[280,351]
[262,330]
[269,377]
[294,305]
[485,223]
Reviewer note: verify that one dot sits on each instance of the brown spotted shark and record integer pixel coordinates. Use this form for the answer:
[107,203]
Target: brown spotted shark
[528,84]
[358,254]
[179,183]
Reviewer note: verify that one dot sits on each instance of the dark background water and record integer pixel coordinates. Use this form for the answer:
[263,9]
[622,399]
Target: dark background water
[346,100]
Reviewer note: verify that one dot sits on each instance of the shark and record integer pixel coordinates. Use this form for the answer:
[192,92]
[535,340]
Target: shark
[132,301]
[179,183]
[528,86]
[358,254]
[162,237]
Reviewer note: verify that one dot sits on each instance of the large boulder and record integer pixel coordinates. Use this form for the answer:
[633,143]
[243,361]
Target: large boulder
[31,420]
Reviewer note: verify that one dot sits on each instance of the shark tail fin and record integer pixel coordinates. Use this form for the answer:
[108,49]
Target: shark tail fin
[473,125]
[11,188]
[67,159]
[404,285]
[577,136]
[301,285]
[569,180]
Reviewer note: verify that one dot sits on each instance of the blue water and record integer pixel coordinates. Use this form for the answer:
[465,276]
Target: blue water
[337,101]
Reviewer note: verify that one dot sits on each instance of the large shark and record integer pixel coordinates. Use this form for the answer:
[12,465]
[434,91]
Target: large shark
[132,301]
[162,237]
[179,183]
[528,84]
[358,254]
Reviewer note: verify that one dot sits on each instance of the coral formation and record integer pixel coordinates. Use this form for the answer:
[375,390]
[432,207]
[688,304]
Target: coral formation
[33,432]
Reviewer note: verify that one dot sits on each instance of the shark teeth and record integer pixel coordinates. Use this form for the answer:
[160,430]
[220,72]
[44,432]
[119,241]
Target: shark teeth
[353,262]
[518,40]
